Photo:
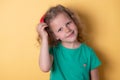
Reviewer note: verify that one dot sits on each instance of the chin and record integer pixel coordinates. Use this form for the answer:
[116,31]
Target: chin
[71,40]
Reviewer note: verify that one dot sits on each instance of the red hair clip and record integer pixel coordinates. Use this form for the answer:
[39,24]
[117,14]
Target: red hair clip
[42,18]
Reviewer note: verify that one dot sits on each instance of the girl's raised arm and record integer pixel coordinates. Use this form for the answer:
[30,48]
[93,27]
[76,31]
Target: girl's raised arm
[45,59]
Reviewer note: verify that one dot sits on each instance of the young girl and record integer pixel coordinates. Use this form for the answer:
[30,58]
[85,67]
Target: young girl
[62,48]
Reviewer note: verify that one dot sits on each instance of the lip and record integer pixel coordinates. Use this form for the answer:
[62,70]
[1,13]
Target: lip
[70,34]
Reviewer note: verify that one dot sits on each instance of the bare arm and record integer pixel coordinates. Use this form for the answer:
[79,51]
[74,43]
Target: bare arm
[45,59]
[94,74]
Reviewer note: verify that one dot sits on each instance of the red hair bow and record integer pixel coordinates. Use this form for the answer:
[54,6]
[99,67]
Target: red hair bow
[42,18]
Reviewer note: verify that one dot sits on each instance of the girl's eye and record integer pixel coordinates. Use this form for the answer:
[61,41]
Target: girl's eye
[68,23]
[59,30]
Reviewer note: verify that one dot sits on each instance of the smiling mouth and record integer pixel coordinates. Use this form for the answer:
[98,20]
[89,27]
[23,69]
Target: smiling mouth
[70,34]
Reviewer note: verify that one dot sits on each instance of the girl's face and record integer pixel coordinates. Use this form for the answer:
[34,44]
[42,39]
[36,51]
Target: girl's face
[64,28]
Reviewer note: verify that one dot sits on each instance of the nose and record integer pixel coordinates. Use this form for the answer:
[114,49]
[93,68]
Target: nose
[67,29]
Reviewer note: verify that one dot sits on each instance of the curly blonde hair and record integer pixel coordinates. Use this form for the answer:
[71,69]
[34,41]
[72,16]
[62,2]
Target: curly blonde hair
[52,13]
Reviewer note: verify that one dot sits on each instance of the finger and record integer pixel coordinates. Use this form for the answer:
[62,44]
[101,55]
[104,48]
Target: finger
[43,27]
[38,28]
[44,24]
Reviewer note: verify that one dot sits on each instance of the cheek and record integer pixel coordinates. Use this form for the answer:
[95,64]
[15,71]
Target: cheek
[60,35]
[74,27]
[57,35]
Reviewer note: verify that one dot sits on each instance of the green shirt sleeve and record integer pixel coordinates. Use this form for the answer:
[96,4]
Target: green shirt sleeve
[95,62]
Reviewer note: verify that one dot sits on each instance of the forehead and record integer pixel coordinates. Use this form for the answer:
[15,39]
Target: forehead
[59,20]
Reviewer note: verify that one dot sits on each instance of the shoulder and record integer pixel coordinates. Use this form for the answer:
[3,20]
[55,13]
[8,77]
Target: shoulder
[53,49]
[86,47]
[91,56]
[87,50]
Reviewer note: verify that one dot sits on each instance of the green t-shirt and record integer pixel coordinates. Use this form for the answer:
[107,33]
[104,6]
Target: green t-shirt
[73,64]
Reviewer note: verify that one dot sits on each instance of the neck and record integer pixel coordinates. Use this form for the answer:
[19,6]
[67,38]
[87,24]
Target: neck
[75,44]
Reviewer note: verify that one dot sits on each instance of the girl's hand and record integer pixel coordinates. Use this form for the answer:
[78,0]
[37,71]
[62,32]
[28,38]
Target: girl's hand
[41,30]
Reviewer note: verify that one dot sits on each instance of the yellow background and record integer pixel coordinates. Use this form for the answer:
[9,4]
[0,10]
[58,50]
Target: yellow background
[18,46]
